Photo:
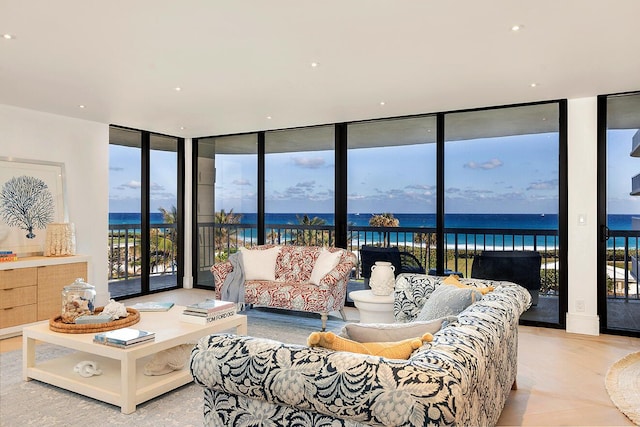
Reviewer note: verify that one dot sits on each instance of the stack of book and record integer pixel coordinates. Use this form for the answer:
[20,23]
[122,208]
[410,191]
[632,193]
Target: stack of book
[124,338]
[152,306]
[208,311]
[6,256]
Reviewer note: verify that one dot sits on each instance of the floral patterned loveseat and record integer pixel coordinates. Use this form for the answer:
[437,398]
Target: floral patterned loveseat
[463,377]
[292,288]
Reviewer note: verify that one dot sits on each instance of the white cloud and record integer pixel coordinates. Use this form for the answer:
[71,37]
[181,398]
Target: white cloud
[132,185]
[309,162]
[491,164]
[544,185]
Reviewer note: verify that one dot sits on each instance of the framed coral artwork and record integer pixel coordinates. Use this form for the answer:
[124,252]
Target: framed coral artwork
[32,195]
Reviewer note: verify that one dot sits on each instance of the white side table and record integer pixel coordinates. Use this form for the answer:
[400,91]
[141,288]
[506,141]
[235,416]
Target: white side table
[373,308]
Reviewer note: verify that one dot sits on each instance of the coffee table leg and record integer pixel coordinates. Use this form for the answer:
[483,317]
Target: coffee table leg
[28,355]
[128,384]
[241,329]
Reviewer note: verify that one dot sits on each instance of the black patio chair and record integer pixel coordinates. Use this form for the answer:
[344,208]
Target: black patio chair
[404,262]
[521,267]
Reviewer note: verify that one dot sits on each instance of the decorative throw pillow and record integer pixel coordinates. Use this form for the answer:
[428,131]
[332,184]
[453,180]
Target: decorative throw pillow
[392,350]
[386,332]
[448,301]
[454,280]
[260,264]
[169,360]
[325,262]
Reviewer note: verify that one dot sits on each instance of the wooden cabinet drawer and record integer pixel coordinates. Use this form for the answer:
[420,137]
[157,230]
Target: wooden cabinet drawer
[51,280]
[18,277]
[14,297]
[18,315]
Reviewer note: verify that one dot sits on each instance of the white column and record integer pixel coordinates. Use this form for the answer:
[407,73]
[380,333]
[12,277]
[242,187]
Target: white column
[582,314]
[187,282]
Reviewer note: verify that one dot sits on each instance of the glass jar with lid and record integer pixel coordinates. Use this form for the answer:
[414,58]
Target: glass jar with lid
[77,300]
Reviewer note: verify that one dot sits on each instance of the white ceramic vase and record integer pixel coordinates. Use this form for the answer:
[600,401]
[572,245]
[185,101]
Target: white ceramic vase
[382,279]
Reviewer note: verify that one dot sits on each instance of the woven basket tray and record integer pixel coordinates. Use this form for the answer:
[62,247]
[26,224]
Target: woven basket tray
[57,325]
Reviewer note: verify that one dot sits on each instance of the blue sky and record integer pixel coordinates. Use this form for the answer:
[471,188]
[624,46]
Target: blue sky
[125,184]
[519,177]
[505,175]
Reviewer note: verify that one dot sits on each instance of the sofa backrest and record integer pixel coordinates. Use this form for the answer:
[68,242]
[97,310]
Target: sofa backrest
[295,263]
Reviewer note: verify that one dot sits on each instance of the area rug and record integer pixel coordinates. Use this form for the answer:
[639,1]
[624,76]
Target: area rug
[36,403]
[623,385]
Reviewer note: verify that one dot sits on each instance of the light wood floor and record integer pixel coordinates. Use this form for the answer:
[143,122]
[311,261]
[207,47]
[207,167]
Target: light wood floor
[560,377]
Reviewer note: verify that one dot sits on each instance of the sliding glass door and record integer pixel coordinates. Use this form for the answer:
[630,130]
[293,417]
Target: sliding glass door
[502,185]
[391,176]
[145,212]
[619,189]
[299,186]
[226,196]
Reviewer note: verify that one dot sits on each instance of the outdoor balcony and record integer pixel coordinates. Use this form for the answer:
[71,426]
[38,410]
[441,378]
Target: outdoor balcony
[217,241]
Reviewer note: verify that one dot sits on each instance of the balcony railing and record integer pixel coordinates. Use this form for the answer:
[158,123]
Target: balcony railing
[217,241]
[125,251]
[623,255]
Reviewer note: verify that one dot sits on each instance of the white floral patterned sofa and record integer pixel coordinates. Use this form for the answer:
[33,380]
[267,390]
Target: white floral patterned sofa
[463,377]
[292,281]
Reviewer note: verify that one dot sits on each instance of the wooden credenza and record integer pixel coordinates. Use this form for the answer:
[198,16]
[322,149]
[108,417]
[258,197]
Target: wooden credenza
[31,288]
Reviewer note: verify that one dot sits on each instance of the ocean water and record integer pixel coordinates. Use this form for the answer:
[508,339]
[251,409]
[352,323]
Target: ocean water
[452,221]
[509,221]
[121,218]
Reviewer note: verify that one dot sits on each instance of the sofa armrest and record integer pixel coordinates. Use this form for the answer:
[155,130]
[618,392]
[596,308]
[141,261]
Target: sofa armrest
[362,388]
[220,272]
[340,273]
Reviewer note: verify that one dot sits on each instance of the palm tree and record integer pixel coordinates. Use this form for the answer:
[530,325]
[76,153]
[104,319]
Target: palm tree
[311,237]
[170,217]
[273,237]
[164,245]
[384,220]
[427,238]
[224,234]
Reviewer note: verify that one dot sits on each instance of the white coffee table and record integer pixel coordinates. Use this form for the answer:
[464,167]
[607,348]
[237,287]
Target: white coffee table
[373,308]
[122,382]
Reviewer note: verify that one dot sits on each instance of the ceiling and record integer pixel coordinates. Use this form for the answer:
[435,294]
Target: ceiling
[246,65]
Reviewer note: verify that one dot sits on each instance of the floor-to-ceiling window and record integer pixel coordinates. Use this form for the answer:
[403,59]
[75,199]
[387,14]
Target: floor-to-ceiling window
[619,290]
[391,192]
[501,194]
[226,195]
[145,212]
[163,212]
[442,188]
[125,211]
[299,186]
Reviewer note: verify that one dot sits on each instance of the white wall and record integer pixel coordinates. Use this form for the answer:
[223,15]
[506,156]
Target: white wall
[582,315]
[83,147]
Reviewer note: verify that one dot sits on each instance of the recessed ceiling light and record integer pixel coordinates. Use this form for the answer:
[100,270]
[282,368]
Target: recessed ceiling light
[314,64]
[268,117]
[8,36]
[517,27]
[534,84]
[382,102]
[182,128]
[81,106]
[178,89]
